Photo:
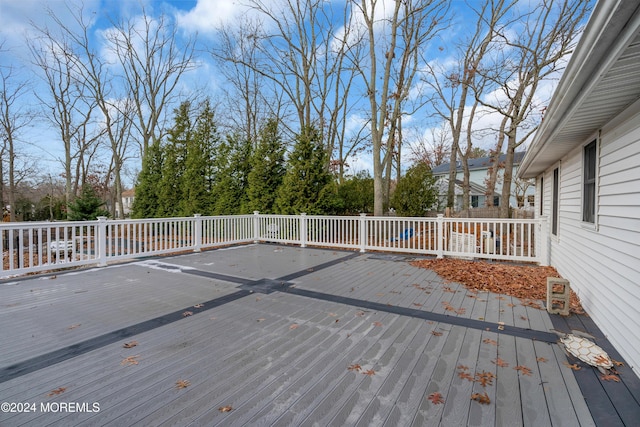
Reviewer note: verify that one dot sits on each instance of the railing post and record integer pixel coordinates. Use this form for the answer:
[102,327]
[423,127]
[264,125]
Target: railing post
[440,235]
[101,244]
[256,226]
[197,232]
[364,238]
[543,240]
[303,230]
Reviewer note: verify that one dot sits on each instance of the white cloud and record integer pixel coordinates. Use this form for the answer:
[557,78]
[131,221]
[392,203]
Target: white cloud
[208,15]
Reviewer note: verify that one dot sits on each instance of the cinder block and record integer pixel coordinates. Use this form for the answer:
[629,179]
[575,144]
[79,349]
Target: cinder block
[558,295]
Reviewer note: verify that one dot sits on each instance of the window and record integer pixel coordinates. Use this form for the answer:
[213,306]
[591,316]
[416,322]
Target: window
[554,213]
[589,183]
[541,195]
[475,201]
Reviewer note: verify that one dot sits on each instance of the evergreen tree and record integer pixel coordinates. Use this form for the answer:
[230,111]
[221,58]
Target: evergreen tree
[267,170]
[171,183]
[415,193]
[145,204]
[356,194]
[87,206]
[232,162]
[308,185]
[198,175]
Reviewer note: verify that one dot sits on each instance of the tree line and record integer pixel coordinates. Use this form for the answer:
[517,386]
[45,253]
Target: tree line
[196,170]
[363,78]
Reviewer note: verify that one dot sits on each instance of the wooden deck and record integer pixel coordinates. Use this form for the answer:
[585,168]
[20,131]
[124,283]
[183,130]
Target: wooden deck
[274,335]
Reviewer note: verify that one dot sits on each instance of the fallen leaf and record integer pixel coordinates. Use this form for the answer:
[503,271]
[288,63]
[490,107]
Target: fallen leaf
[485,378]
[436,333]
[354,367]
[377,324]
[523,318]
[262,319]
[359,313]
[528,283]
[227,408]
[74,326]
[463,367]
[481,398]
[575,366]
[541,359]
[198,306]
[436,398]
[499,362]
[610,377]
[523,370]
[182,384]
[131,360]
[466,376]
[369,372]
[417,304]
[332,314]
[490,341]
[293,326]
[187,314]
[617,363]
[57,391]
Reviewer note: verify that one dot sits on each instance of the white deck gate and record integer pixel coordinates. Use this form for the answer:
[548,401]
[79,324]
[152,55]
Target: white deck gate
[30,247]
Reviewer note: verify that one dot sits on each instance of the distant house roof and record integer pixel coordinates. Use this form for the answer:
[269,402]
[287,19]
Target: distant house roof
[479,163]
[129,193]
[601,80]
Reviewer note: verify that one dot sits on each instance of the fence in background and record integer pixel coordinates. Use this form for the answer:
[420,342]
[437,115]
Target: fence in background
[44,246]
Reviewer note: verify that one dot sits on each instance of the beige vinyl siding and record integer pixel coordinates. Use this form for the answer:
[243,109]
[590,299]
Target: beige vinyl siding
[602,260]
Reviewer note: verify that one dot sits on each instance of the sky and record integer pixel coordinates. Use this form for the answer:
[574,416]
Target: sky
[40,141]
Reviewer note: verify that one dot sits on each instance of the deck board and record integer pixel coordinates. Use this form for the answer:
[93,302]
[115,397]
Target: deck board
[282,358]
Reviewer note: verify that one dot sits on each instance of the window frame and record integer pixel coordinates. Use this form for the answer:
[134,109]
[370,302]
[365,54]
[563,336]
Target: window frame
[555,201]
[589,182]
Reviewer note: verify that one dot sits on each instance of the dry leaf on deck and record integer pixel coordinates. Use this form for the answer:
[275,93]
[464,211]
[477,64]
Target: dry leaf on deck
[182,384]
[198,306]
[485,378]
[481,398]
[436,333]
[354,367]
[227,408]
[131,360]
[500,362]
[575,366]
[523,370]
[130,344]
[293,326]
[369,372]
[57,391]
[490,341]
[436,398]
[610,377]
[377,323]
[187,314]
[541,359]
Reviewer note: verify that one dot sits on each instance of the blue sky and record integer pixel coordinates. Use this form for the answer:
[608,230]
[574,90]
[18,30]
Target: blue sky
[201,16]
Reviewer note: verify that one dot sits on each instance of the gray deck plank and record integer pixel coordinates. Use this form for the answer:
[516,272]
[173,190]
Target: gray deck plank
[244,353]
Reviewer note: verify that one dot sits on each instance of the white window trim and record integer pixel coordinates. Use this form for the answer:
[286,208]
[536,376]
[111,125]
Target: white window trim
[584,224]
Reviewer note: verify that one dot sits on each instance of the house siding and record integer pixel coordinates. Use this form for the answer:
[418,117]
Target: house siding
[602,260]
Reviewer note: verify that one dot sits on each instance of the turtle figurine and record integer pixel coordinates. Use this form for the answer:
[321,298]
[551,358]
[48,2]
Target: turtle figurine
[586,350]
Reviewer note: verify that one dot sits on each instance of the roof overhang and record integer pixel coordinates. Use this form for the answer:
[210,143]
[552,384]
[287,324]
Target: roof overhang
[601,80]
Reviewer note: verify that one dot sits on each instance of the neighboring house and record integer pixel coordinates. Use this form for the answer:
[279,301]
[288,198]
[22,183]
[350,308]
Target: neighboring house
[585,158]
[478,174]
[127,203]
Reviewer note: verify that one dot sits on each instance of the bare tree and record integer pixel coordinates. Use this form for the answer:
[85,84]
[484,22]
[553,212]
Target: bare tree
[393,39]
[454,87]
[67,105]
[117,109]
[547,35]
[14,118]
[152,65]
[299,49]
[433,150]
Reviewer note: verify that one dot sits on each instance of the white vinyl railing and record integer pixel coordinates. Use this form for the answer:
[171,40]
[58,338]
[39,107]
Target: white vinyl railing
[47,246]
